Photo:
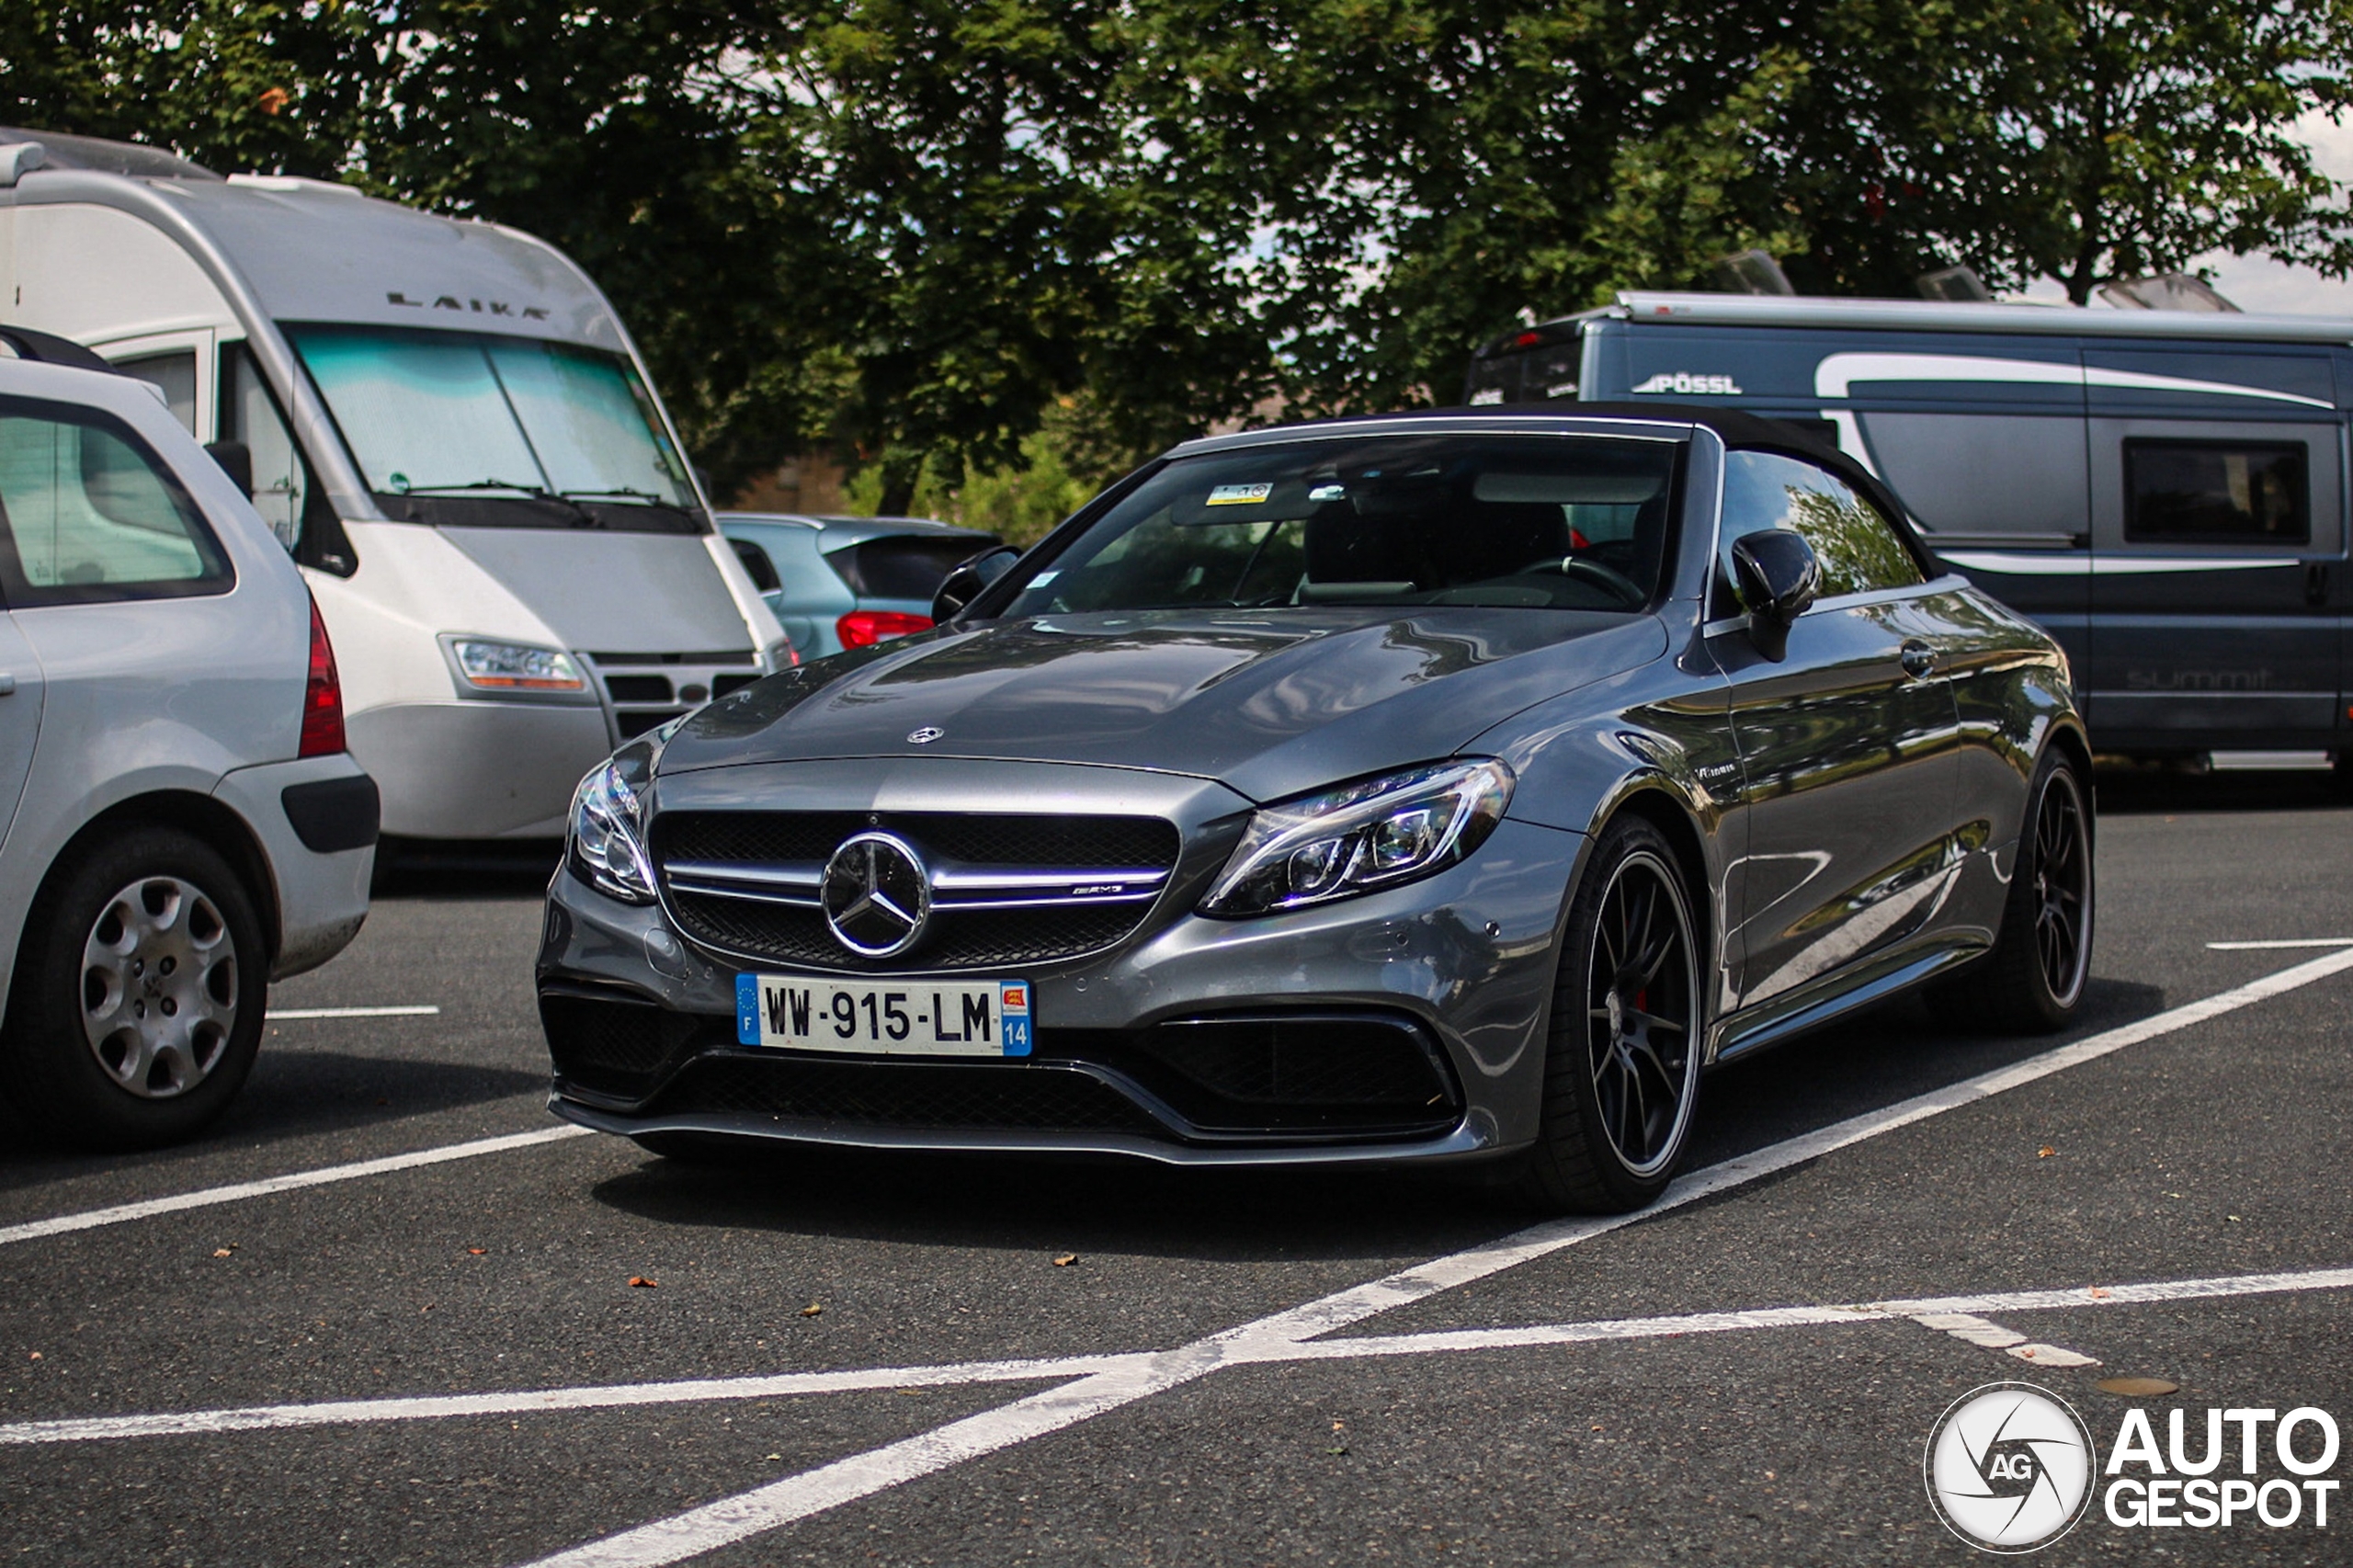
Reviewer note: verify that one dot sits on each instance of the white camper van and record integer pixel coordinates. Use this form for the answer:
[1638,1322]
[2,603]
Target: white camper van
[450,431]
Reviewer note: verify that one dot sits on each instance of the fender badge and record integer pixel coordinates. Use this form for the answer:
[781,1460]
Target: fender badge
[925,735]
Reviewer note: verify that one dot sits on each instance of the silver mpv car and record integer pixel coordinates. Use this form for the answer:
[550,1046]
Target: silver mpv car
[1450,787]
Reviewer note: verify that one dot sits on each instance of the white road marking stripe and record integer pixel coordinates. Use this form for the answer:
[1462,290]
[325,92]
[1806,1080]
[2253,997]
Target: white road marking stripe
[91,1219]
[2287,942]
[765,1508]
[1935,1313]
[1971,1329]
[426,1011]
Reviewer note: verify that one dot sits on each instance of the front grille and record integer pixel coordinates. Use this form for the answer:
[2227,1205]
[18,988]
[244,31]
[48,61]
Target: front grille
[643,690]
[927,1096]
[1008,891]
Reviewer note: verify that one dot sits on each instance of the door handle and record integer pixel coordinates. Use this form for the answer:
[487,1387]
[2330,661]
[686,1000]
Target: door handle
[1918,659]
[7,685]
[2316,583]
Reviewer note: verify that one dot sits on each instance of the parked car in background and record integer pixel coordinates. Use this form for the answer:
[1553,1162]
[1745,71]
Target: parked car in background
[450,431]
[182,823]
[1448,787]
[838,583]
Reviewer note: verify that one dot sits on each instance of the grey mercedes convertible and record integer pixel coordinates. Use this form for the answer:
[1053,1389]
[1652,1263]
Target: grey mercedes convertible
[1450,787]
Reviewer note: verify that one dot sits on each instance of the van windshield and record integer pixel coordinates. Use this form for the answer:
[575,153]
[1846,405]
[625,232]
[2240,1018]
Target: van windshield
[1537,522]
[457,427]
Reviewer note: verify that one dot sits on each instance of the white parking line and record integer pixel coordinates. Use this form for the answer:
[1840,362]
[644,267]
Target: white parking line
[1987,1334]
[91,1219]
[2285,942]
[1944,1313]
[280,1014]
[765,1508]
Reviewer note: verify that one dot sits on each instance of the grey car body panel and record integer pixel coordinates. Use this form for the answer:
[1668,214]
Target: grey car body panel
[1916,785]
[2018,476]
[1271,702]
[589,586]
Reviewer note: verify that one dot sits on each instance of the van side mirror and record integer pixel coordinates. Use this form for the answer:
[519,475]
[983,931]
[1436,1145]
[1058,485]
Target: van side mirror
[236,460]
[1776,576]
[966,582]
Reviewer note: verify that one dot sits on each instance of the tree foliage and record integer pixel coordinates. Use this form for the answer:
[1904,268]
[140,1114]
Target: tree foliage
[919,232]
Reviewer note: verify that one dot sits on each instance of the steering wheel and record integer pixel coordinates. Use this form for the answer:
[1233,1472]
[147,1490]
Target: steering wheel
[1609,578]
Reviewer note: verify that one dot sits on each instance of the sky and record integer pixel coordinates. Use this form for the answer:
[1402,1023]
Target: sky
[2258,283]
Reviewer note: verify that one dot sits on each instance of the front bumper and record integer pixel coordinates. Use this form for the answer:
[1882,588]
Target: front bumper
[1454,972]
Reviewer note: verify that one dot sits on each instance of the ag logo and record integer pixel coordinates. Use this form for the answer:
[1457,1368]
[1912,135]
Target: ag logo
[2009,1467]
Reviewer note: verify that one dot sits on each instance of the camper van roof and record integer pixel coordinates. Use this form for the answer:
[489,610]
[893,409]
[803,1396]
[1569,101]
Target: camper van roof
[107,157]
[1922,315]
[313,251]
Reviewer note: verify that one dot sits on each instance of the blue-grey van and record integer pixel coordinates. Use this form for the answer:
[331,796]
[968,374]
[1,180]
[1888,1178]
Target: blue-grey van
[2165,490]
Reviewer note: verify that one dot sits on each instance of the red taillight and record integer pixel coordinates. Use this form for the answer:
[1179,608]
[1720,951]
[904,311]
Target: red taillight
[322,697]
[864,627]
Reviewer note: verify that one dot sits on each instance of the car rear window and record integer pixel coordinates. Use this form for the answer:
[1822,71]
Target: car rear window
[902,567]
[88,514]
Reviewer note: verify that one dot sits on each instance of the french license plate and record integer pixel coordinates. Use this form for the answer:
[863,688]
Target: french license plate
[972,1018]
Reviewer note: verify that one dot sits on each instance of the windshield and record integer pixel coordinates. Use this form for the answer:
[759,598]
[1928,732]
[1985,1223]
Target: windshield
[479,418]
[1550,522]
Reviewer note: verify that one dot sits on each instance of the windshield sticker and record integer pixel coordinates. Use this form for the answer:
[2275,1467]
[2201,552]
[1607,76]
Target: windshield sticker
[1240,494]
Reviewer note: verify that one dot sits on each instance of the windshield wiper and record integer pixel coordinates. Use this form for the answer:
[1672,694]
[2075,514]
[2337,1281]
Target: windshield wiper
[617,490]
[581,516]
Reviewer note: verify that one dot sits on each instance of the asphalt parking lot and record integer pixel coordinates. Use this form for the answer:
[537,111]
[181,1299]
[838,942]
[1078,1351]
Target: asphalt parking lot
[444,1340]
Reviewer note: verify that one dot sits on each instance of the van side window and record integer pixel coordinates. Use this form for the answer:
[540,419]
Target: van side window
[87,514]
[249,414]
[1859,549]
[174,375]
[2216,493]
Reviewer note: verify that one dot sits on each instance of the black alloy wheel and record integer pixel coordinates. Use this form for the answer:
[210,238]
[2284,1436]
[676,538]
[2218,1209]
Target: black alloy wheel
[2034,979]
[1622,1072]
[2062,888]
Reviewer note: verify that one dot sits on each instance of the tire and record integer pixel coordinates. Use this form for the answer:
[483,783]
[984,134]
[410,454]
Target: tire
[2033,980]
[140,993]
[1621,1070]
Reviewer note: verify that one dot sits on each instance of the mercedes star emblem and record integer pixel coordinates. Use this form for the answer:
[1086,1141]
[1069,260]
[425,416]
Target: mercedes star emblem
[877,895]
[925,735]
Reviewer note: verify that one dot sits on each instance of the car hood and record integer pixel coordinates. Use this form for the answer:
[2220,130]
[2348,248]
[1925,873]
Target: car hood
[1267,702]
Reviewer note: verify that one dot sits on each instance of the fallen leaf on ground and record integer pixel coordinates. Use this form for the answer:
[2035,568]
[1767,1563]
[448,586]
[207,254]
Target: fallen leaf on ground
[35,1355]
[476,1251]
[642,1282]
[812,1310]
[2099,1292]
[1066,1260]
[2139,1388]
[222,1252]
[2045,1151]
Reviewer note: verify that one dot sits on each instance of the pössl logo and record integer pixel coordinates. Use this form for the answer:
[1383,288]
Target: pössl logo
[2009,1467]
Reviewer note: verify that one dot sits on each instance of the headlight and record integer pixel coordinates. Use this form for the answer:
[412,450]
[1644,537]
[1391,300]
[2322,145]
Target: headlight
[607,847]
[1363,837]
[486,666]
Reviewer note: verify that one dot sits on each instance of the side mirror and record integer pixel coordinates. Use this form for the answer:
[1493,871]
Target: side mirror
[965,583]
[1776,576]
[236,460]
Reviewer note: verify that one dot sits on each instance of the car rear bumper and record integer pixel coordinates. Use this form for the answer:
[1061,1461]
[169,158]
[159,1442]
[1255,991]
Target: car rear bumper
[321,892]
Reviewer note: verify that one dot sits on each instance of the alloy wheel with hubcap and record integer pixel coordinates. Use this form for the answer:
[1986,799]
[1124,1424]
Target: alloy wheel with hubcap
[159,987]
[137,1005]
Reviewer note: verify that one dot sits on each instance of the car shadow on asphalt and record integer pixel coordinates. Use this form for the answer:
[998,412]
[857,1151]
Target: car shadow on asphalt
[292,1094]
[1878,1058]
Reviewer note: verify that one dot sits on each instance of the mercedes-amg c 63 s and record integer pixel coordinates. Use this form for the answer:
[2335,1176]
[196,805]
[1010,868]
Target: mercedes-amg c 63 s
[1445,786]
